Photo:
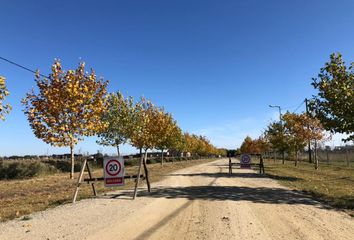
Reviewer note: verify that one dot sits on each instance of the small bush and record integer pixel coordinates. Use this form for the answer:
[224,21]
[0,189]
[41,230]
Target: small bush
[151,160]
[131,162]
[25,169]
[65,165]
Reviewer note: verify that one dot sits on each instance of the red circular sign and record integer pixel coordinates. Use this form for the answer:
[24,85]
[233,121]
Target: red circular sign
[113,167]
[245,159]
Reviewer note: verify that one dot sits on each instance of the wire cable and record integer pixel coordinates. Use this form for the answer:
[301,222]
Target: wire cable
[302,103]
[21,66]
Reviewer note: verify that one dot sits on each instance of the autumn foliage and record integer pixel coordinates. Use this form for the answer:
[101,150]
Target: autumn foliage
[256,146]
[4,108]
[67,107]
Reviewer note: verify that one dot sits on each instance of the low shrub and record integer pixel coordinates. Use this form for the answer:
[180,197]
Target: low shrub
[151,161]
[131,162]
[64,165]
[24,169]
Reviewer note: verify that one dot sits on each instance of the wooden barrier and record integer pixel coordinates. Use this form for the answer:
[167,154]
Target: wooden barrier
[93,180]
[260,164]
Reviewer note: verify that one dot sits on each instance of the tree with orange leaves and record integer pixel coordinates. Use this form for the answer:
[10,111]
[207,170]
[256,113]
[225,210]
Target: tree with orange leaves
[67,107]
[300,128]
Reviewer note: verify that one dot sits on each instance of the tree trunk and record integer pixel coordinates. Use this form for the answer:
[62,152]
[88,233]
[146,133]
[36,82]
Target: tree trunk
[316,157]
[346,156]
[309,150]
[275,156]
[72,160]
[118,152]
[146,172]
[283,153]
[161,156]
[296,158]
[138,176]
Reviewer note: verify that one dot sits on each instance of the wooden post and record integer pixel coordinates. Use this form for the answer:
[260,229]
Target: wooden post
[162,157]
[79,180]
[146,172]
[90,175]
[346,156]
[230,166]
[138,177]
[296,157]
[262,165]
[316,157]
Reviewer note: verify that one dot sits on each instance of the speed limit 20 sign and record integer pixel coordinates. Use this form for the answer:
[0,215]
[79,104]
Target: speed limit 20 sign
[113,168]
[245,161]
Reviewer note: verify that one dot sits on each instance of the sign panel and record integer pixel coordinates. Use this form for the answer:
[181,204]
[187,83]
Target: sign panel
[245,161]
[113,171]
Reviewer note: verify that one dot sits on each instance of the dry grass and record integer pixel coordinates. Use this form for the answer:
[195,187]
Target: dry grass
[21,197]
[330,184]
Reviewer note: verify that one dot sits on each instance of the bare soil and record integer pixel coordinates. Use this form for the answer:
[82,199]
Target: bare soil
[199,202]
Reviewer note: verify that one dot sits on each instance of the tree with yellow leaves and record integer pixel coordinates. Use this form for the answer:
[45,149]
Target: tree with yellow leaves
[4,108]
[140,135]
[168,132]
[67,107]
[148,123]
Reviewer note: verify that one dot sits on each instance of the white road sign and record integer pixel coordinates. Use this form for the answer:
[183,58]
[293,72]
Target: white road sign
[245,161]
[113,169]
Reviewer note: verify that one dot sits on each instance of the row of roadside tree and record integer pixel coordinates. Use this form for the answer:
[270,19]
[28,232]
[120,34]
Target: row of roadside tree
[70,105]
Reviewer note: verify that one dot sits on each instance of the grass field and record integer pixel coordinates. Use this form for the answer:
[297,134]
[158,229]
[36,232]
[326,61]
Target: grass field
[19,198]
[333,185]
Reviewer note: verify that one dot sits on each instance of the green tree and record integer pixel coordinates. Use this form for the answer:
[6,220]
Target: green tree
[334,103]
[278,140]
[118,121]
[67,107]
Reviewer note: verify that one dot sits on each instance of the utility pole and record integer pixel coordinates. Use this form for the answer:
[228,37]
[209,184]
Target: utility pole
[309,141]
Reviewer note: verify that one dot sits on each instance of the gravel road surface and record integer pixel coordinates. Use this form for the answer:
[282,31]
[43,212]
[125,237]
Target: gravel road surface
[200,202]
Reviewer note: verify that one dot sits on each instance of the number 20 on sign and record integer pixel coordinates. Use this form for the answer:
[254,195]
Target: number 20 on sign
[113,168]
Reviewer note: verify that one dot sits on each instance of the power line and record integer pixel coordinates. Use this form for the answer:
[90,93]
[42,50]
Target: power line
[299,106]
[21,66]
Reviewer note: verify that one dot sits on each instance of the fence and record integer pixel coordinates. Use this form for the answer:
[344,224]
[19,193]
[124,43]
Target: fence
[333,157]
[342,158]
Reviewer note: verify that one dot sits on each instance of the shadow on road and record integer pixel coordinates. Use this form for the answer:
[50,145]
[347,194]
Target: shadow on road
[236,174]
[233,193]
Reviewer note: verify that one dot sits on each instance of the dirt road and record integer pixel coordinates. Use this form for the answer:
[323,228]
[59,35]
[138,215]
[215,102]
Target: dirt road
[200,202]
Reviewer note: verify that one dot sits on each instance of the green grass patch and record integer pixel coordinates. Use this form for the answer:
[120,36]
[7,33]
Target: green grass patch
[333,185]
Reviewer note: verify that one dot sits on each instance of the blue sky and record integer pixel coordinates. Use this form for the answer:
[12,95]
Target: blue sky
[216,65]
